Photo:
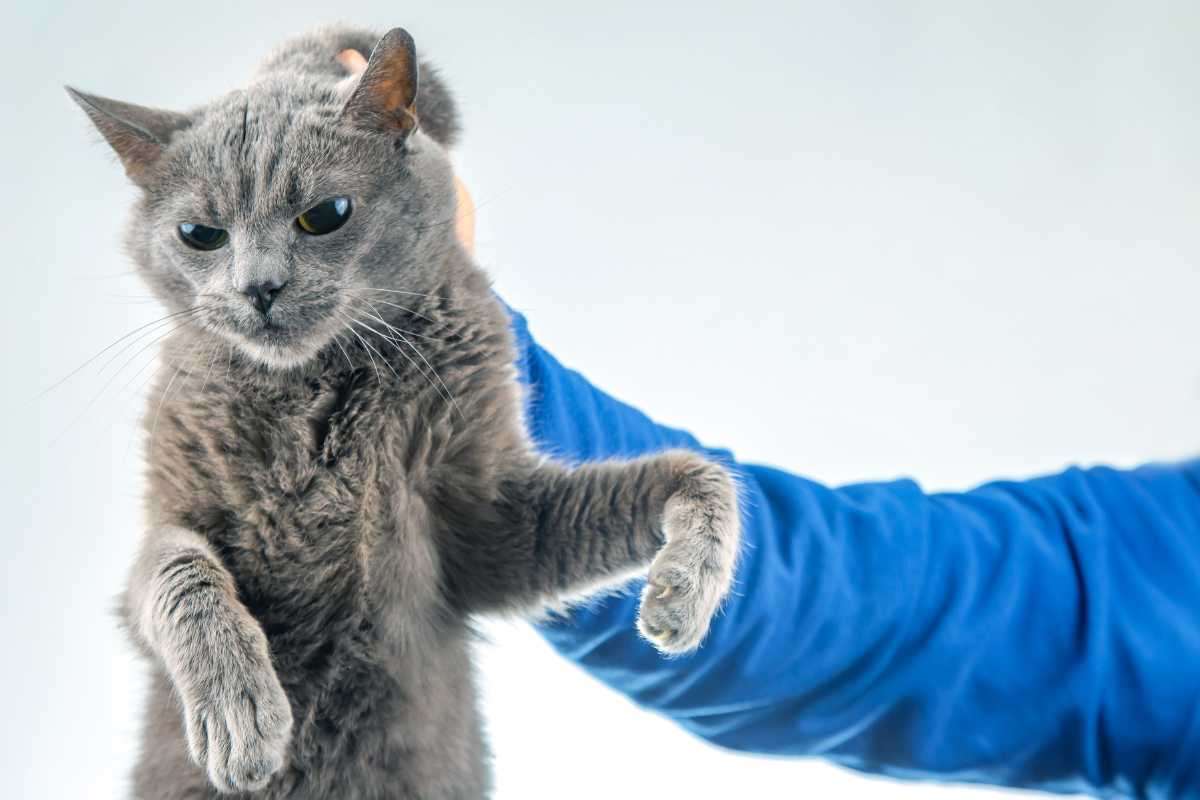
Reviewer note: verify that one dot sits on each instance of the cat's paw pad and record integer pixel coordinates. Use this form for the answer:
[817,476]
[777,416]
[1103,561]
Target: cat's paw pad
[693,572]
[238,732]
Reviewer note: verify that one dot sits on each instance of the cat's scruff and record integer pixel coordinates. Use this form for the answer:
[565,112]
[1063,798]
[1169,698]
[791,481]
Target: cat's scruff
[338,470]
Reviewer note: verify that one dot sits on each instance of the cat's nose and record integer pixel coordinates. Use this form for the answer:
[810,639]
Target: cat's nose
[262,295]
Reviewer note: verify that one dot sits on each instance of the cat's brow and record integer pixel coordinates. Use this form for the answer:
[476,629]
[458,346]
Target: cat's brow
[195,204]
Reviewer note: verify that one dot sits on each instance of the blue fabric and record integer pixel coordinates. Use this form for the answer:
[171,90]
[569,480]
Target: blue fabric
[1041,634]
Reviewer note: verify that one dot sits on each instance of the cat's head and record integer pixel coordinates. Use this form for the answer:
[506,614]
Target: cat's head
[278,209]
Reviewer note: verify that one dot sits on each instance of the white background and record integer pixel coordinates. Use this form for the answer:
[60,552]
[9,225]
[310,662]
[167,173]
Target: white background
[943,239]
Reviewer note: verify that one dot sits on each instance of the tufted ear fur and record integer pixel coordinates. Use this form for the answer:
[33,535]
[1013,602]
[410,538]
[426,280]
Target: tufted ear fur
[385,99]
[137,134]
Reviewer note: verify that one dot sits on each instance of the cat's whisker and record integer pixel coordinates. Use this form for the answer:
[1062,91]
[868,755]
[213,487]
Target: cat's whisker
[142,369]
[406,331]
[212,361]
[413,312]
[131,301]
[386,363]
[197,314]
[378,377]
[376,316]
[137,393]
[337,339]
[379,317]
[78,369]
[111,276]
[112,378]
[438,223]
[383,322]
[433,369]
[449,394]
[401,335]
[162,400]
[127,388]
[382,358]
[392,291]
[469,215]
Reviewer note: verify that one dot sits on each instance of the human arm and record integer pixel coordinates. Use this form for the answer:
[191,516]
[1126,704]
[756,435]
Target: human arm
[1039,634]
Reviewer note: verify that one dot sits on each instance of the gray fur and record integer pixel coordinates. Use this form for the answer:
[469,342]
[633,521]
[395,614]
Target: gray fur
[330,499]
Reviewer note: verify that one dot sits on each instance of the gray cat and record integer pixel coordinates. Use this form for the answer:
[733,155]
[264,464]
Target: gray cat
[339,475]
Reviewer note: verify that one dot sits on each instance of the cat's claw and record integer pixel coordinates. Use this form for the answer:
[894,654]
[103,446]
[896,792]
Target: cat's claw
[674,617]
[238,730]
[693,572]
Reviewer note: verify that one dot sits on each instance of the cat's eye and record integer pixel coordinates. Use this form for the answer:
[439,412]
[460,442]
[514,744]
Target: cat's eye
[203,237]
[325,217]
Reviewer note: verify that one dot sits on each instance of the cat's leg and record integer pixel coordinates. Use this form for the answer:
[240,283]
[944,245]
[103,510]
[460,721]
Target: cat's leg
[561,531]
[182,603]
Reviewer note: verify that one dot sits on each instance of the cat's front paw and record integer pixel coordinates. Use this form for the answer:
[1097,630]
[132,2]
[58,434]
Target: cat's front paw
[239,726]
[693,572]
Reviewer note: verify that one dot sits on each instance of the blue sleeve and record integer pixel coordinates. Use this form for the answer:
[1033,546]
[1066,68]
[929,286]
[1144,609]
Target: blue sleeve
[1041,634]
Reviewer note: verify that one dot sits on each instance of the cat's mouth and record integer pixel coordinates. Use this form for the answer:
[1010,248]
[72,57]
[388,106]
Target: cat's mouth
[271,334]
[265,329]
[277,341]
[277,346]
[279,325]
[271,327]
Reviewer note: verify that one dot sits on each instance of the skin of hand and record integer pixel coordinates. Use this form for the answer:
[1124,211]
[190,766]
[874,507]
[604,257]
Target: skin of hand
[355,63]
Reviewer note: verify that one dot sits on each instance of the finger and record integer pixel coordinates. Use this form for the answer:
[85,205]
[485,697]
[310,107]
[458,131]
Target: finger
[352,60]
[464,222]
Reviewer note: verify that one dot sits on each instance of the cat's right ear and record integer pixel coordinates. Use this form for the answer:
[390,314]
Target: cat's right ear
[137,134]
[385,100]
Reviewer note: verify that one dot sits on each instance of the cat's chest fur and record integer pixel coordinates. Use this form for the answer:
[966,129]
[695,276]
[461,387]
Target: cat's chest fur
[309,492]
[314,495]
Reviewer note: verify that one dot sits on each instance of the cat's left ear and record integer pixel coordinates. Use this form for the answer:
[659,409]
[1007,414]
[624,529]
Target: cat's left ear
[137,134]
[385,100]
